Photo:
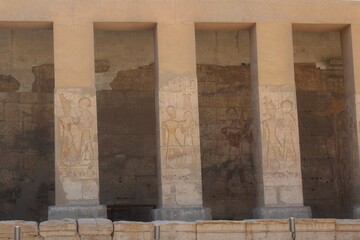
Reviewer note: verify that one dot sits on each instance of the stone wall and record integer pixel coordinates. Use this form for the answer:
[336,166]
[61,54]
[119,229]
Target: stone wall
[88,229]
[324,139]
[26,155]
[229,185]
[127,139]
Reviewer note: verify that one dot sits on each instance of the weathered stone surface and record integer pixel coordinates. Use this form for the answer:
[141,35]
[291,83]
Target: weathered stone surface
[347,229]
[315,229]
[268,229]
[224,230]
[189,214]
[76,211]
[28,230]
[65,227]
[8,83]
[44,78]
[133,231]
[101,65]
[95,226]
[177,230]
[76,158]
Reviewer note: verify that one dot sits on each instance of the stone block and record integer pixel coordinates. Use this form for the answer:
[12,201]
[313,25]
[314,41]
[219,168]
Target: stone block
[268,229]
[57,229]
[321,229]
[221,230]
[76,212]
[12,112]
[347,229]
[29,230]
[133,231]
[177,230]
[182,214]
[282,212]
[95,229]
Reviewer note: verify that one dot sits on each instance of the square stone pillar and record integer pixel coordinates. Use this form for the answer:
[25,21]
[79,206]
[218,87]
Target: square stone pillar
[350,39]
[179,163]
[276,133]
[76,143]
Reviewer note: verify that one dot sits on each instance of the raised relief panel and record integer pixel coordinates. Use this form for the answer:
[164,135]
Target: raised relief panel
[77,154]
[180,143]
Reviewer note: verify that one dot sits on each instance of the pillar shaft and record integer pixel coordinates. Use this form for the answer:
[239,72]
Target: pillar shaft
[76,146]
[179,163]
[350,38]
[277,148]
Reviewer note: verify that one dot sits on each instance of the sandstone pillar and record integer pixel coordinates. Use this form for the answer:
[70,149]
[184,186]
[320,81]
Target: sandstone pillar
[276,133]
[350,38]
[179,164]
[76,145]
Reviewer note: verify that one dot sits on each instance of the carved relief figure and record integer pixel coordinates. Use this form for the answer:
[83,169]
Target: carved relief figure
[288,129]
[272,143]
[68,151]
[76,133]
[188,128]
[85,122]
[171,141]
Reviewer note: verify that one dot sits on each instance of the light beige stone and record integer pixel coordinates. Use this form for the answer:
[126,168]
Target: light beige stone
[178,121]
[177,230]
[29,230]
[347,229]
[224,230]
[77,171]
[307,229]
[268,229]
[59,229]
[133,231]
[95,228]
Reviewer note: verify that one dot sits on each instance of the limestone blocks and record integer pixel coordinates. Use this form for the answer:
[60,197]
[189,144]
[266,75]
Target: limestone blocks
[29,230]
[59,230]
[95,229]
[133,231]
[224,230]
[76,158]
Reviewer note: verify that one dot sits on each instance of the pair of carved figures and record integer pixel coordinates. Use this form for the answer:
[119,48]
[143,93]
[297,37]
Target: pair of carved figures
[179,139]
[279,128]
[76,133]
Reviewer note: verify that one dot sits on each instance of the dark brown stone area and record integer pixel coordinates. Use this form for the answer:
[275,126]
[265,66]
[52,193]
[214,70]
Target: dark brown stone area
[323,140]
[8,83]
[44,78]
[101,65]
[127,140]
[26,155]
[229,186]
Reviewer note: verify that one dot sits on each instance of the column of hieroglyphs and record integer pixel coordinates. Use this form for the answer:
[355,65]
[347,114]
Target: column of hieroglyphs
[350,38]
[76,144]
[179,164]
[276,150]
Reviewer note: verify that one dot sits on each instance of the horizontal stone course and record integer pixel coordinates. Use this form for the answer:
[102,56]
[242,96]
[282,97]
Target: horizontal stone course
[104,229]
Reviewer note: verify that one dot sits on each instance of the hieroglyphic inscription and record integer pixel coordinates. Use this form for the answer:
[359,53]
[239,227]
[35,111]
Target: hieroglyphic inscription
[279,130]
[76,156]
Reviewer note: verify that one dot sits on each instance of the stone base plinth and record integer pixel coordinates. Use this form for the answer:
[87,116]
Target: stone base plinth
[282,212]
[76,212]
[181,214]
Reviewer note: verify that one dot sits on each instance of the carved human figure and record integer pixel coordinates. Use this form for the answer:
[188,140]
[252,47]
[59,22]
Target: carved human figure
[68,151]
[271,140]
[286,134]
[188,129]
[171,142]
[233,133]
[85,123]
